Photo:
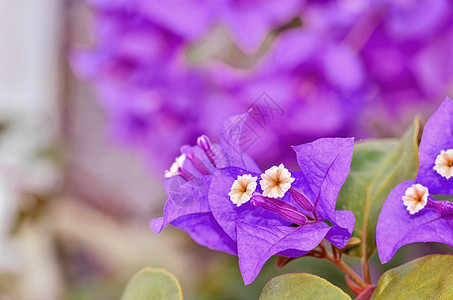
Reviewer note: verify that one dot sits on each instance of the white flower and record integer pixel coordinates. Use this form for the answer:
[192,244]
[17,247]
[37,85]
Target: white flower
[242,189]
[179,161]
[276,181]
[415,198]
[444,163]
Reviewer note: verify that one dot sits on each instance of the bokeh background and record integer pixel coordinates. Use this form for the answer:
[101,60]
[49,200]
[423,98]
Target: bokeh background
[97,96]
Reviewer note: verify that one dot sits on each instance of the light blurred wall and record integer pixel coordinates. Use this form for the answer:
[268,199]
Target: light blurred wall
[30,44]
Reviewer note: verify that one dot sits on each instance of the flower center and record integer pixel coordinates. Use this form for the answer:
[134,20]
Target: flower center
[276,181]
[242,189]
[444,163]
[415,198]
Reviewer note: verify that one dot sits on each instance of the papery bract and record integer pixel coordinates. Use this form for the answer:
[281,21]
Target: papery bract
[434,222]
[437,137]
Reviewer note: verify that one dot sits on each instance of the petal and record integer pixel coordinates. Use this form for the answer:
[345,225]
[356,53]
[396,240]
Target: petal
[205,230]
[226,213]
[291,48]
[251,24]
[343,68]
[234,139]
[437,136]
[340,234]
[324,167]
[256,244]
[186,18]
[184,198]
[248,28]
[396,227]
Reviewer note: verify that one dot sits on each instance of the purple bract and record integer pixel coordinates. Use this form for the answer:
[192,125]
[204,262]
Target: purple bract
[410,214]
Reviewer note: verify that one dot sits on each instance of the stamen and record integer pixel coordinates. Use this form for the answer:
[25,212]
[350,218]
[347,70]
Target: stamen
[176,169]
[242,189]
[276,181]
[187,150]
[299,197]
[444,163]
[179,161]
[415,198]
[205,144]
[285,210]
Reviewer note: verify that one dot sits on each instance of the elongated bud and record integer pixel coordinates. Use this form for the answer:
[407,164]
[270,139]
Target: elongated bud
[185,174]
[299,197]
[187,150]
[445,207]
[205,144]
[285,210]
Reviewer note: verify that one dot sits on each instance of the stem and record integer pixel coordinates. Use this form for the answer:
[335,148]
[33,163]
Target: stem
[366,269]
[343,267]
[335,252]
[347,270]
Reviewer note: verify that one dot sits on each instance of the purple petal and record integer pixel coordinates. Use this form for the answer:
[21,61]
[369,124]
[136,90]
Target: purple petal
[324,167]
[205,230]
[227,213]
[249,30]
[343,68]
[256,244]
[416,19]
[233,138]
[251,22]
[291,49]
[396,227]
[340,234]
[184,198]
[437,136]
[190,19]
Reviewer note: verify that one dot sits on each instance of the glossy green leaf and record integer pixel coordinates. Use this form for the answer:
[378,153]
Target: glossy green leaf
[301,286]
[377,167]
[429,278]
[150,284]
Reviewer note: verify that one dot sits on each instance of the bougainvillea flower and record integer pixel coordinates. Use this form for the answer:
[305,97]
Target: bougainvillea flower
[297,217]
[249,22]
[187,186]
[410,214]
[349,68]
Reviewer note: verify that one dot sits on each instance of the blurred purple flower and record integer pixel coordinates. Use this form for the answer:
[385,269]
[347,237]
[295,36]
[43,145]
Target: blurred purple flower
[410,214]
[404,54]
[317,82]
[248,21]
[351,69]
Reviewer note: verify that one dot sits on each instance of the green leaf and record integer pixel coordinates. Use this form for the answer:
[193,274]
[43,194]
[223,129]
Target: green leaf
[149,284]
[301,286]
[429,277]
[377,167]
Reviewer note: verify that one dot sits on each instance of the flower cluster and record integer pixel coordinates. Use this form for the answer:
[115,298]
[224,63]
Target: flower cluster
[410,214]
[349,66]
[221,198]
